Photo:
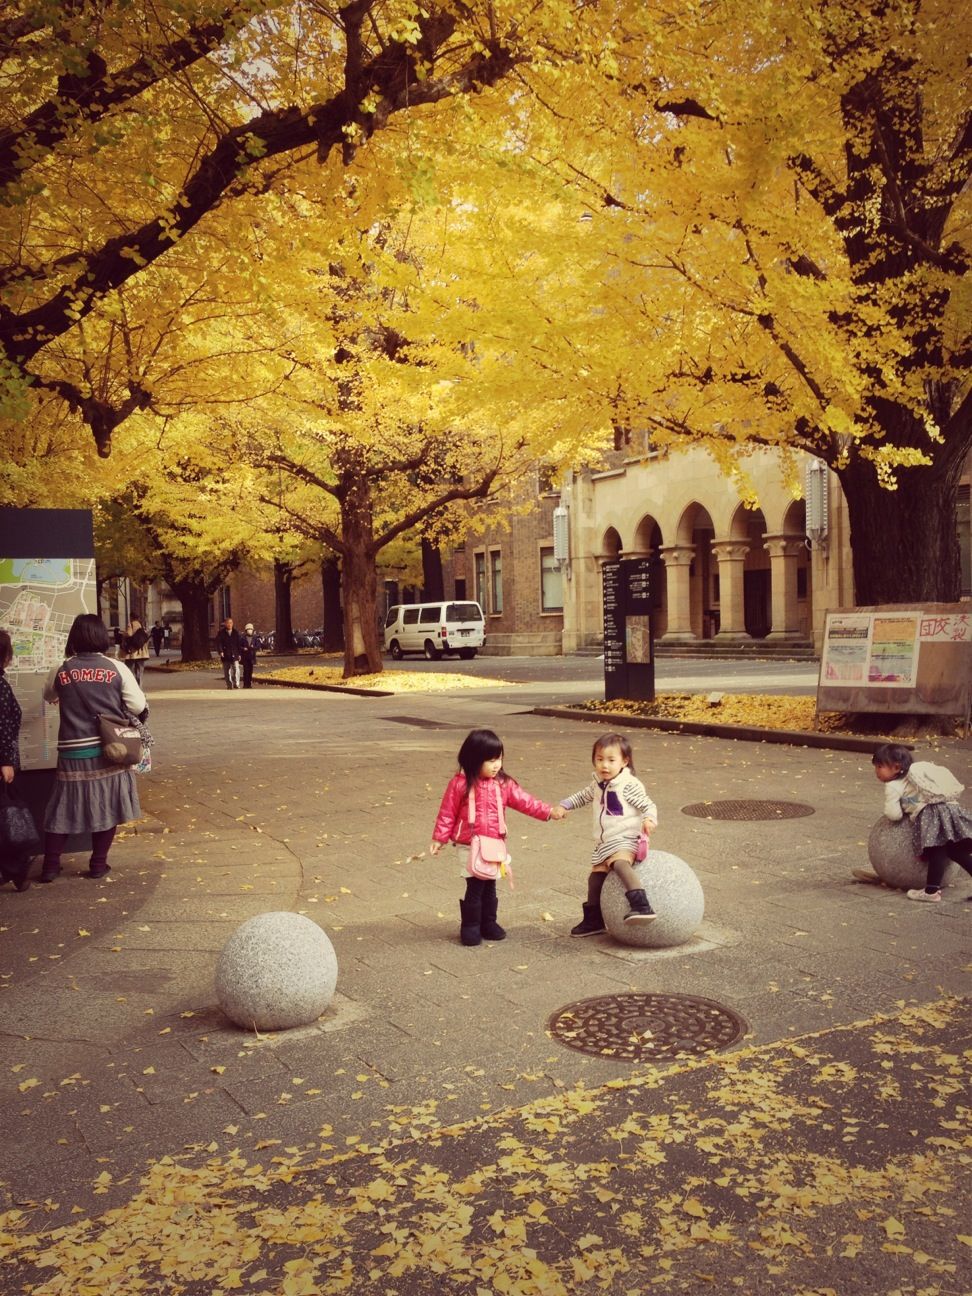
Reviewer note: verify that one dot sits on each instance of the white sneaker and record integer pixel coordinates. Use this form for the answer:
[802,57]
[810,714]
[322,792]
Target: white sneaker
[932,897]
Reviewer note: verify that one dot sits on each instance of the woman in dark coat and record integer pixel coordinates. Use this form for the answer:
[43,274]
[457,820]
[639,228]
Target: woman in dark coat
[91,795]
[13,868]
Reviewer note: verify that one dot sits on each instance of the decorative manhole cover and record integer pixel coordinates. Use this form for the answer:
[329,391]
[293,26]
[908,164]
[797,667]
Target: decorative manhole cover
[748,810]
[646,1027]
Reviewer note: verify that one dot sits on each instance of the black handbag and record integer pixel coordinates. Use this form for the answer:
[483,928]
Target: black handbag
[18,832]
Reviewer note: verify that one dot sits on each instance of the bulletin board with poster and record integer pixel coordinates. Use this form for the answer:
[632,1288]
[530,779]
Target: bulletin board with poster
[47,577]
[898,658]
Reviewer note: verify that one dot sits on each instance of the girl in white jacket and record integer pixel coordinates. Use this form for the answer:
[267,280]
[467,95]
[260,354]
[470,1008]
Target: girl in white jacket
[928,794]
[623,811]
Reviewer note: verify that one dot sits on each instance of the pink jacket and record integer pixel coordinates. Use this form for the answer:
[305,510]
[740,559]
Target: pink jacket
[452,821]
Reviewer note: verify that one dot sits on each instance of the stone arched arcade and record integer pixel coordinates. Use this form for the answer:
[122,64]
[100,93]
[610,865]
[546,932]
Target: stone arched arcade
[729,574]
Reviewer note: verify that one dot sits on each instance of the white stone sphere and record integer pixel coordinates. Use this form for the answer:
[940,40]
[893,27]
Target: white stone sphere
[276,971]
[891,850]
[675,894]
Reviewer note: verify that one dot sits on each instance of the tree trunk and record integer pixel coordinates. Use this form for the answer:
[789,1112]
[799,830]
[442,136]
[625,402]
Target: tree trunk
[904,542]
[433,584]
[283,631]
[359,578]
[333,640]
[194,597]
[362,654]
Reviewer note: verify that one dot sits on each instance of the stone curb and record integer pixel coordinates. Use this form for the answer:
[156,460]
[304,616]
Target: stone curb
[746,733]
[323,688]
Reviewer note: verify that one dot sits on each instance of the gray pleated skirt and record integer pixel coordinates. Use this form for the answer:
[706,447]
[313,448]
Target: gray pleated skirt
[90,796]
[940,823]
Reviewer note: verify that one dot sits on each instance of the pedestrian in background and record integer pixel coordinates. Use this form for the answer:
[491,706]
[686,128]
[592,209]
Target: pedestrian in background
[134,649]
[229,648]
[248,652]
[472,808]
[91,794]
[158,635]
[623,812]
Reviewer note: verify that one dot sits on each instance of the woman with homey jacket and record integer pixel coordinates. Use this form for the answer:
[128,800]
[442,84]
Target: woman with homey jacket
[91,795]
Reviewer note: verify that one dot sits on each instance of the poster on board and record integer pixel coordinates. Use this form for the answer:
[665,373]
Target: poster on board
[893,658]
[41,592]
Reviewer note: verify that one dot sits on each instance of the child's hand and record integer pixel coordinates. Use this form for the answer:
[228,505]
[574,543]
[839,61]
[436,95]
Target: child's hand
[648,826]
[435,848]
[558,812]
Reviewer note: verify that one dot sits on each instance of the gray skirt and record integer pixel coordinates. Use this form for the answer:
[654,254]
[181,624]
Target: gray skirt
[90,796]
[940,823]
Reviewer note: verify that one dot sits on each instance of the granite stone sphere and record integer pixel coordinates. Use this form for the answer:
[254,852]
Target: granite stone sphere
[891,850]
[276,971]
[675,894]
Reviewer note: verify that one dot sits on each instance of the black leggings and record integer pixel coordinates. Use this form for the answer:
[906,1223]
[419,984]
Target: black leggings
[54,844]
[937,858]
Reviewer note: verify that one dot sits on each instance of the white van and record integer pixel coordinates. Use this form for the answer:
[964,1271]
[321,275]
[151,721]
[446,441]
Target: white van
[434,629]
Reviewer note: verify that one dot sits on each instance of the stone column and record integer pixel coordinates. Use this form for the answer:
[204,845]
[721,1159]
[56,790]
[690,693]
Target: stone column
[731,555]
[784,551]
[678,560]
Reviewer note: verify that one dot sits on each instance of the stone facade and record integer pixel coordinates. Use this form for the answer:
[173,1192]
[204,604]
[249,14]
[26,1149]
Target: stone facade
[723,571]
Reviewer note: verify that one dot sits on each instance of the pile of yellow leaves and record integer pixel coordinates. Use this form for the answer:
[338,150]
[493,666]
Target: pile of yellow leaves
[758,710]
[390,681]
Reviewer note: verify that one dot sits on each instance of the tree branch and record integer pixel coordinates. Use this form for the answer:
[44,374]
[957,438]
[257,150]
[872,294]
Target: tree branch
[391,76]
[87,98]
[479,491]
[310,530]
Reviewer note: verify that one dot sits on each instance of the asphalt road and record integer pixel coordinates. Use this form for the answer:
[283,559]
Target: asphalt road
[672,674]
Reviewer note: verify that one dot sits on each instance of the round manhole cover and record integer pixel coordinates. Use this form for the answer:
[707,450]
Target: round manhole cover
[748,810]
[646,1027]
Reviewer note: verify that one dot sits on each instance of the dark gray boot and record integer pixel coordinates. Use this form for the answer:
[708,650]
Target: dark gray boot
[490,928]
[471,909]
[640,911]
[592,924]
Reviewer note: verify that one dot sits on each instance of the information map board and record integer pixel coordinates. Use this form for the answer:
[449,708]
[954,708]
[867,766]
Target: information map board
[47,577]
[629,663]
[898,658]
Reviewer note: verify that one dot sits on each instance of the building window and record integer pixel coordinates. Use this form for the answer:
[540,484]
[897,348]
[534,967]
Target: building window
[551,583]
[496,580]
[479,573]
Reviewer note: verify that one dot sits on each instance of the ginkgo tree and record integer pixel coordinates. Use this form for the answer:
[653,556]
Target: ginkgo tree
[126,129]
[786,262]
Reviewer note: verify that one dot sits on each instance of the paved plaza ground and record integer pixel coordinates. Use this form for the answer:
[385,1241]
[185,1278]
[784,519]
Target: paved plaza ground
[428,1134]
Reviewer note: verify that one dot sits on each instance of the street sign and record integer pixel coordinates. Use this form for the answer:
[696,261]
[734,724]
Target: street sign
[629,657]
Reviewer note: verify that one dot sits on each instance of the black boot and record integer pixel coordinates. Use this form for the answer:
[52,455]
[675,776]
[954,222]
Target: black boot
[592,924]
[490,928]
[640,911]
[16,871]
[471,909]
[19,874]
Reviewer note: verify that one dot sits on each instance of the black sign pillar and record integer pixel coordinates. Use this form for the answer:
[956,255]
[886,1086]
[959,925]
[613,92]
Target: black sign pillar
[629,656]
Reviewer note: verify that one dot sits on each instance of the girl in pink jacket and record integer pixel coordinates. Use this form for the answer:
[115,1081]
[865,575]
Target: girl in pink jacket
[462,816]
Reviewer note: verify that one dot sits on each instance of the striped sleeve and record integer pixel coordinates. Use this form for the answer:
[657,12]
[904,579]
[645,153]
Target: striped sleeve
[635,793]
[584,797]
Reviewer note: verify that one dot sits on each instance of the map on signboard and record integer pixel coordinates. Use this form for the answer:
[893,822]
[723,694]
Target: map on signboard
[39,599]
